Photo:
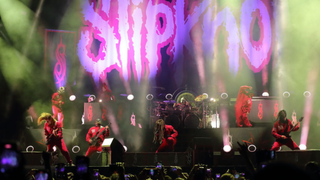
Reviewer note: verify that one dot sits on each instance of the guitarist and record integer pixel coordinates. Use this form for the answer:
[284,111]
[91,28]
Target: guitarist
[281,129]
[53,133]
[95,137]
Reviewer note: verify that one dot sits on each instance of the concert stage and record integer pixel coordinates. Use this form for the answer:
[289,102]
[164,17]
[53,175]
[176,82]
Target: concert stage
[193,146]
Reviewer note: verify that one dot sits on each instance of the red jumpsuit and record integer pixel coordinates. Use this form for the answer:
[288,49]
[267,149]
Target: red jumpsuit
[243,107]
[56,140]
[169,139]
[93,131]
[57,107]
[279,128]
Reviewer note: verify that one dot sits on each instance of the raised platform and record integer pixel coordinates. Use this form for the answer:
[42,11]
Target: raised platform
[215,158]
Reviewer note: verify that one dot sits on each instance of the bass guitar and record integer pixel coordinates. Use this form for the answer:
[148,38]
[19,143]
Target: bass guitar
[54,131]
[287,134]
[95,140]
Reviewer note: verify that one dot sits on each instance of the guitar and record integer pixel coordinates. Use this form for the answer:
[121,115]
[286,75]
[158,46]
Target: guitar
[287,134]
[50,136]
[95,139]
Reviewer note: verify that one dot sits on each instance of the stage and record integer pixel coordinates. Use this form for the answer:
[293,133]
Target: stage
[193,146]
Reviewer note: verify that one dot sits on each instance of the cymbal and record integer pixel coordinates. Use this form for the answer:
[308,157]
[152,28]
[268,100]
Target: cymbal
[169,101]
[200,98]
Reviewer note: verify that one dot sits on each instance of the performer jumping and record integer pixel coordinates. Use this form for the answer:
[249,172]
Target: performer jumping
[166,135]
[243,106]
[281,129]
[57,102]
[54,137]
[95,137]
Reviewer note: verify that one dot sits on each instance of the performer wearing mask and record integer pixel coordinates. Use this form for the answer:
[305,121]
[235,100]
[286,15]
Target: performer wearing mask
[57,102]
[243,106]
[166,135]
[281,130]
[95,137]
[54,137]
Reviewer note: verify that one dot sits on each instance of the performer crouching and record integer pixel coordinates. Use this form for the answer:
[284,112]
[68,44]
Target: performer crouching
[166,135]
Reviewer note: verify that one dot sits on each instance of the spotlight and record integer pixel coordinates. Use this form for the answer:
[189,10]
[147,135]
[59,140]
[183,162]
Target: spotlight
[252,148]
[149,97]
[212,99]
[125,148]
[307,94]
[100,100]
[224,96]
[54,148]
[227,148]
[130,97]
[72,98]
[302,147]
[30,148]
[169,96]
[265,94]
[286,94]
[75,149]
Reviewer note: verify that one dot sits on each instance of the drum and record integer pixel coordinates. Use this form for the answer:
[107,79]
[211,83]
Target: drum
[169,108]
[191,121]
[173,120]
[158,110]
[213,121]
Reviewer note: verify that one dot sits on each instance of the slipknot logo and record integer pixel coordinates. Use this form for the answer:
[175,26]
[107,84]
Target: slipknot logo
[276,110]
[132,33]
[89,113]
[260,113]
[59,71]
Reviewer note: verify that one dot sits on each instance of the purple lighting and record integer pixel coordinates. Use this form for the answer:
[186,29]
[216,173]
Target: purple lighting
[133,36]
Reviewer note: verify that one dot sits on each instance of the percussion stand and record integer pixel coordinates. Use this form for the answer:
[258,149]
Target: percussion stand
[216,115]
[204,116]
[150,114]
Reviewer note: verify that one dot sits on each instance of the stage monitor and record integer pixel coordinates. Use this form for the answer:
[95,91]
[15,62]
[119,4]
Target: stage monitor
[114,147]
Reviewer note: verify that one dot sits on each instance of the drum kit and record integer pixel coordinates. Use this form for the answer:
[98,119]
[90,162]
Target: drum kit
[188,112]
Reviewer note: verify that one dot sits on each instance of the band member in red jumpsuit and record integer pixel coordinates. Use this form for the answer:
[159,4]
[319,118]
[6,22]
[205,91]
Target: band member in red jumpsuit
[166,135]
[280,129]
[99,133]
[54,137]
[243,106]
[57,102]
[107,100]
[106,94]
